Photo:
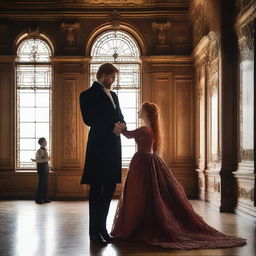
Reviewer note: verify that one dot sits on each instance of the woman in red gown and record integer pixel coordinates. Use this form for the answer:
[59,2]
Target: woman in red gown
[153,207]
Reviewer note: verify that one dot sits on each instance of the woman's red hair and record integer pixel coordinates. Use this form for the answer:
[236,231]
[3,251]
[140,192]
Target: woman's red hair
[154,119]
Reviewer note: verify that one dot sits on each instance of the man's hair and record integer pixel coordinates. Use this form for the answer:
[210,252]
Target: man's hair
[41,140]
[106,68]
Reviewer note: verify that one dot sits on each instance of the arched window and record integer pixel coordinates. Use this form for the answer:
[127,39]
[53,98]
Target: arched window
[33,99]
[120,48]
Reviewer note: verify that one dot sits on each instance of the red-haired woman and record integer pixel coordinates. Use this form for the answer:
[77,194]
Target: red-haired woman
[153,207]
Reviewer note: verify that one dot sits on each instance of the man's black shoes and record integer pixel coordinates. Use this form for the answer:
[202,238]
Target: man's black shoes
[107,237]
[43,201]
[39,201]
[97,239]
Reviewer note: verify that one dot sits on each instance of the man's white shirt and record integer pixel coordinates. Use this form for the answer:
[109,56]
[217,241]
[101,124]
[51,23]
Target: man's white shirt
[107,91]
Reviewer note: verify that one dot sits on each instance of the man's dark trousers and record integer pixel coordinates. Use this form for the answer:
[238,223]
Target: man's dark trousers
[42,171]
[99,201]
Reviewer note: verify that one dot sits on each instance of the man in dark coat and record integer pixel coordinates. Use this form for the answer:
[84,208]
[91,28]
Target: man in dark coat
[101,112]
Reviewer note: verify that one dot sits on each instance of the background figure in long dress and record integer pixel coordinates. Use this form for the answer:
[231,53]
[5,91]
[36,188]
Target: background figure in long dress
[153,207]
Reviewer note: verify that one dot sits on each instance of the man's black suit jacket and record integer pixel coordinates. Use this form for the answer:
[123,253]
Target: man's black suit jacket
[103,152]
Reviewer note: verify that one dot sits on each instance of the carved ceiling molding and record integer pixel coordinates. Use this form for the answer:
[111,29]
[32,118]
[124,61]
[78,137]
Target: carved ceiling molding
[198,21]
[246,40]
[37,4]
[207,49]
[245,29]
[116,2]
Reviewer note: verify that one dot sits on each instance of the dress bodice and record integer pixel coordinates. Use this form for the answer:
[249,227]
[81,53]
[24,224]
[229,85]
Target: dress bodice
[143,137]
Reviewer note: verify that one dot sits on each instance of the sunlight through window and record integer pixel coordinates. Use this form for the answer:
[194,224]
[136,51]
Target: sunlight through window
[33,98]
[120,48]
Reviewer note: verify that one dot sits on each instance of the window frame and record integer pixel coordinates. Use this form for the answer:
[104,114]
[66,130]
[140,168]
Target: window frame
[125,162]
[18,165]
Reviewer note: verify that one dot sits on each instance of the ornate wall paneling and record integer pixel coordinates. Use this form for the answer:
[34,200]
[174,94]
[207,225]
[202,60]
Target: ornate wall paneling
[173,91]
[7,124]
[71,76]
[22,185]
[208,156]
[245,174]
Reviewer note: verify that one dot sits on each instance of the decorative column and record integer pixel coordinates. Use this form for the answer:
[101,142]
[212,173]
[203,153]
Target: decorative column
[208,142]
[245,174]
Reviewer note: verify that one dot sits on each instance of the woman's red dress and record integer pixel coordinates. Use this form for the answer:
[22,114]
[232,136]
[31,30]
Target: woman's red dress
[153,207]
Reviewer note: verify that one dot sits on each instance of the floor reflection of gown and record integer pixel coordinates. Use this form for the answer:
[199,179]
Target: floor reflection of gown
[153,207]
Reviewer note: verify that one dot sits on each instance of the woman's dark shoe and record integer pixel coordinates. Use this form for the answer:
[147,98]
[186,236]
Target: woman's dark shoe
[97,239]
[47,201]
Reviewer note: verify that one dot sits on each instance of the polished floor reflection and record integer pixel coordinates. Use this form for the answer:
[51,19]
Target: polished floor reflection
[61,229]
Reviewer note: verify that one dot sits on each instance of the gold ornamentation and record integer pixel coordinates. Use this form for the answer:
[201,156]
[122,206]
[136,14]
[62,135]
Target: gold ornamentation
[34,32]
[71,30]
[115,2]
[161,32]
[70,122]
[199,91]
[115,22]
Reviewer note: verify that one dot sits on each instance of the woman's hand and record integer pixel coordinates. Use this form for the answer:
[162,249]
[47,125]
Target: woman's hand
[123,126]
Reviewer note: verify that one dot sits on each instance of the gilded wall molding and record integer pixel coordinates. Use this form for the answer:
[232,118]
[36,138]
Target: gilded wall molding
[160,32]
[71,30]
[246,193]
[70,122]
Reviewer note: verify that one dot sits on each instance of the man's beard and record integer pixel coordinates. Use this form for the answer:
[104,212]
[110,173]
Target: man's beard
[108,86]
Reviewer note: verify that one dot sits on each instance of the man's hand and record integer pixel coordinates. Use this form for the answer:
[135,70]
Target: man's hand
[117,130]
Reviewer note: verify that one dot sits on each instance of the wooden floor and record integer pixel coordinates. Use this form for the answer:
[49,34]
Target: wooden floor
[61,228]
